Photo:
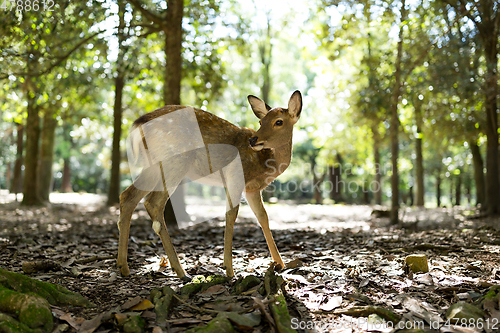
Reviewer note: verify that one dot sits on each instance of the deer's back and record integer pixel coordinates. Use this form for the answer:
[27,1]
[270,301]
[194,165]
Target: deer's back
[224,141]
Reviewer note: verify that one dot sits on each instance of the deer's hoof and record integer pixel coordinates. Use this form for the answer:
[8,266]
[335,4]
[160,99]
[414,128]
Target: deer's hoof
[124,270]
[187,278]
[278,267]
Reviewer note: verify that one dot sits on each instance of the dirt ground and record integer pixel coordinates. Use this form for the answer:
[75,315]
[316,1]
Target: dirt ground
[341,259]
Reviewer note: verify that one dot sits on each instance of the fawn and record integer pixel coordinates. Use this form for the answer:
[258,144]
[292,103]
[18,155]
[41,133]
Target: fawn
[242,160]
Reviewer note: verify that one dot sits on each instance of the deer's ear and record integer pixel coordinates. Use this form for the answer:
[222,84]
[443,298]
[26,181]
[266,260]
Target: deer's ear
[295,105]
[258,106]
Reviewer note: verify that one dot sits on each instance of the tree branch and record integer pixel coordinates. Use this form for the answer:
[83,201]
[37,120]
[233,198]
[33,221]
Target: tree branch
[57,63]
[464,11]
[149,15]
[424,53]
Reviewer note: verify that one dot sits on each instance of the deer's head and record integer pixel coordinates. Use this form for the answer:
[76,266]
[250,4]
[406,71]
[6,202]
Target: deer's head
[276,124]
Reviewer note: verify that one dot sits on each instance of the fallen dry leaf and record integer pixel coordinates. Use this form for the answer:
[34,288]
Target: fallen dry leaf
[142,305]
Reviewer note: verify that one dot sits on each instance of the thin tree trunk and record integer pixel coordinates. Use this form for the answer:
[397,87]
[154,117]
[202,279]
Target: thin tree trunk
[490,40]
[317,196]
[366,193]
[265,49]
[172,91]
[394,126]
[451,190]
[477,161]
[16,185]
[8,175]
[114,181]
[419,172]
[66,177]
[438,189]
[458,191]
[30,185]
[377,189]
[45,175]
[335,173]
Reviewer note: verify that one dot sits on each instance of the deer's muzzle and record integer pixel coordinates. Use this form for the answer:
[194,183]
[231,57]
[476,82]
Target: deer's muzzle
[253,143]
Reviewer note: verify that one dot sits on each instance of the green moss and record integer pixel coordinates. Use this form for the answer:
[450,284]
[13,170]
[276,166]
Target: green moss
[244,284]
[200,283]
[163,302]
[28,300]
[54,294]
[10,325]
[135,324]
[36,313]
[217,325]
[280,314]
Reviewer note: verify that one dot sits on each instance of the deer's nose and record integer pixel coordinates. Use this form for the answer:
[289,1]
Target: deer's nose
[253,141]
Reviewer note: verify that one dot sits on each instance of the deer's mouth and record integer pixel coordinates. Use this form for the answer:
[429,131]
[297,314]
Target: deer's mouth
[258,146]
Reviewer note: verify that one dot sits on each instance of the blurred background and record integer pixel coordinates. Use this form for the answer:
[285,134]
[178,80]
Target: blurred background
[400,97]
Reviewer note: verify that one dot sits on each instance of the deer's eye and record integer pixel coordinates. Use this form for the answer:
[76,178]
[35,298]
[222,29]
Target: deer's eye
[278,122]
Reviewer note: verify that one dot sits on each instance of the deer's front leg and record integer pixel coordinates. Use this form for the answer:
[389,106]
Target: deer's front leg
[228,240]
[255,202]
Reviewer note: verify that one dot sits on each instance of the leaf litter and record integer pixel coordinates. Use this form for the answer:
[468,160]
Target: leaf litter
[345,272]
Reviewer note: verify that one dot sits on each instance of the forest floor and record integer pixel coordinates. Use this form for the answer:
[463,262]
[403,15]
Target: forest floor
[345,264]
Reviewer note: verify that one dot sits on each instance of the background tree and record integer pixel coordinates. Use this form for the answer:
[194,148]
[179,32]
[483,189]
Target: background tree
[485,17]
[33,50]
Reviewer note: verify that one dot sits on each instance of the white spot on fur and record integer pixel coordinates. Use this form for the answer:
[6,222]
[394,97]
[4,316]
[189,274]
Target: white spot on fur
[157,227]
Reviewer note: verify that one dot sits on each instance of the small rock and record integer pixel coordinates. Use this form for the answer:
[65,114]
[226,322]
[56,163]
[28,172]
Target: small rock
[462,310]
[417,263]
[112,277]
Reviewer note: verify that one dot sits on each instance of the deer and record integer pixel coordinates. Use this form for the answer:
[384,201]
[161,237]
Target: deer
[243,160]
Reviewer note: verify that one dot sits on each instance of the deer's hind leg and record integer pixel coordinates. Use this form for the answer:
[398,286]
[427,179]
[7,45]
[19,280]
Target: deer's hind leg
[234,184]
[128,201]
[155,205]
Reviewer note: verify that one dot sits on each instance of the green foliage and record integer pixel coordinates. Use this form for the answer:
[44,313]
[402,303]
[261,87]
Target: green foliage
[339,53]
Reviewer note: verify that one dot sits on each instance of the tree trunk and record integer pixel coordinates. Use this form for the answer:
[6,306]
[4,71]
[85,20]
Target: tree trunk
[394,126]
[8,175]
[419,172]
[458,191]
[335,173]
[172,91]
[438,189]
[265,49]
[30,185]
[490,39]
[377,188]
[45,175]
[366,193]
[477,161]
[317,196]
[451,190]
[66,177]
[411,196]
[114,181]
[173,49]
[16,185]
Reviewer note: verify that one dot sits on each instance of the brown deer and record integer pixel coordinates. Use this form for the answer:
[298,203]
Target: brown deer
[240,158]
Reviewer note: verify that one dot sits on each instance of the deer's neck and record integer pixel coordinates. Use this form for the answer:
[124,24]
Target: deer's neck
[283,156]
